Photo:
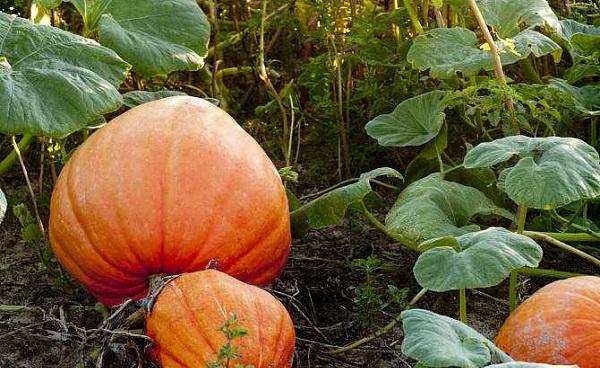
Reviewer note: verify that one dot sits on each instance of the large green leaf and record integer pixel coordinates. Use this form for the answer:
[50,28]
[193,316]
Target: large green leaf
[581,38]
[330,209]
[475,260]
[508,16]
[432,208]
[440,341]
[49,4]
[552,171]
[446,51]
[413,122]
[53,82]
[135,98]
[586,98]
[155,36]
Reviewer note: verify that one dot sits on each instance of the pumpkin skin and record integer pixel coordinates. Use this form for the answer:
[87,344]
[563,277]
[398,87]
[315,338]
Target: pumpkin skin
[186,316]
[168,187]
[559,324]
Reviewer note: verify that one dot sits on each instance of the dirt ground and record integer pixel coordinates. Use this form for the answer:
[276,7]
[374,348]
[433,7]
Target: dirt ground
[59,325]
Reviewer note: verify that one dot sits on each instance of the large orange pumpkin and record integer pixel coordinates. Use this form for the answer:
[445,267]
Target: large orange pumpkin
[186,316]
[559,324]
[168,187]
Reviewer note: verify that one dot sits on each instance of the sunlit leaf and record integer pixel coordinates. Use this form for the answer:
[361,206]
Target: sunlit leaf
[440,341]
[330,208]
[414,121]
[551,172]
[155,36]
[508,16]
[53,82]
[432,208]
[474,260]
[446,51]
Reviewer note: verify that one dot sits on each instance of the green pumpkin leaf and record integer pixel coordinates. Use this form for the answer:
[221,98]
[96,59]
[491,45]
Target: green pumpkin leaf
[581,39]
[156,36]
[586,98]
[528,365]
[432,208]
[330,208]
[135,98]
[414,122]
[551,172]
[426,161]
[440,341]
[53,82]
[475,260]
[3,205]
[507,16]
[446,51]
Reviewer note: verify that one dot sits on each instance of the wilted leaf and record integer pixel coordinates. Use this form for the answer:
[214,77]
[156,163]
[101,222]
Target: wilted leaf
[440,341]
[53,82]
[475,260]
[432,208]
[414,121]
[330,208]
[551,172]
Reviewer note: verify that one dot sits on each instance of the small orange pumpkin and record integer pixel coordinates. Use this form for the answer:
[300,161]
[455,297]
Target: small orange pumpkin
[186,316]
[559,324]
[168,187]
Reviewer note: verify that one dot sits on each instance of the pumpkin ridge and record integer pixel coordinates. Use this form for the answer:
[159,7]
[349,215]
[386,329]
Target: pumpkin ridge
[77,216]
[164,350]
[280,347]
[575,294]
[267,229]
[259,315]
[197,326]
[115,197]
[223,199]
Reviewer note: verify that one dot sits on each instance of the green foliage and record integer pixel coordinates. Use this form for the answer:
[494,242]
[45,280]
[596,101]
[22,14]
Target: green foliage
[373,296]
[136,98]
[474,260]
[56,90]
[551,172]
[330,208]
[32,235]
[229,352]
[432,207]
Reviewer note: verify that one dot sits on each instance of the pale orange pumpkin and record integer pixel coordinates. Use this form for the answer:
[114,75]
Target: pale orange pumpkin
[559,324]
[186,317]
[168,187]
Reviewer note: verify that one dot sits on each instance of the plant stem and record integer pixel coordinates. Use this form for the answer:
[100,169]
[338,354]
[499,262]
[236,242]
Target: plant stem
[462,302]
[11,158]
[557,243]
[264,76]
[381,227]
[512,282]
[382,330]
[512,290]
[498,70]
[578,227]
[540,272]
[440,161]
[575,237]
[414,18]
[29,186]
[594,132]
